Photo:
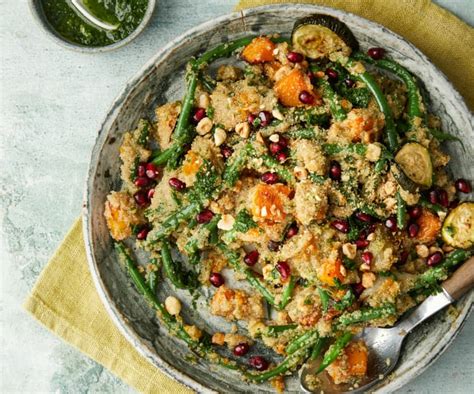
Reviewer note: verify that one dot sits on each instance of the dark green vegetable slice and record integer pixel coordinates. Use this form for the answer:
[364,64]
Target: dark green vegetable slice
[415,161]
[402,179]
[310,33]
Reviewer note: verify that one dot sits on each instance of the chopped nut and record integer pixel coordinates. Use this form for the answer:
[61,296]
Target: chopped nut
[390,203]
[434,249]
[368,279]
[204,126]
[274,137]
[342,270]
[172,305]
[281,72]
[373,152]
[203,100]
[371,237]
[259,138]
[226,222]
[219,136]
[364,267]
[277,114]
[447,248]
[349,250]
[194,332]
[242,129]
[422,250]
[263,212]
[441,215]
[300,172]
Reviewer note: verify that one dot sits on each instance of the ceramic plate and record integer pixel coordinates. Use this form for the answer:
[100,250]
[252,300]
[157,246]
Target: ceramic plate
[161,80]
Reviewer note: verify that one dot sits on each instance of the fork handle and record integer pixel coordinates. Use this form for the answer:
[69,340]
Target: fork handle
[461,281]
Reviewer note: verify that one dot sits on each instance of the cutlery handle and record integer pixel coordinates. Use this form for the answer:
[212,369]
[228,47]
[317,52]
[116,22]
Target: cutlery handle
[461,281]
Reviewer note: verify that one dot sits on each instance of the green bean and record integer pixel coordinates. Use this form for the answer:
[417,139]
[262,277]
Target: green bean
[287,364]
[301,340]
[433,207]
[281,170]
[304,134]
[152,277]
[145,290]
[401,212]
[273,331]
[441,272]
[179,279]
[234,259]
[324,296]
[193,244]
[317,348]
[318,179]
[334,351]
[287,293]
[163,156]
[366,314]
[332,149]
[235,165]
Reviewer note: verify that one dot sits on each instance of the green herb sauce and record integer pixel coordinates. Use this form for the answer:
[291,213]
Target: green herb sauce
[65,20]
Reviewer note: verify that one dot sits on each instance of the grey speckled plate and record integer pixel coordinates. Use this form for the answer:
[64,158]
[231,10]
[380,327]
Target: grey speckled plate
[162,80]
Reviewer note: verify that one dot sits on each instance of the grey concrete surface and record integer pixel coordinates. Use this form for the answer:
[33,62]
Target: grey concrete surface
[51,104]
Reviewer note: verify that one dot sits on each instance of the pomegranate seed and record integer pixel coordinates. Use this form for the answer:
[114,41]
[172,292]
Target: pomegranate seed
[358,288]
[306,97]
[413,230]
[349,82]
[269,177]
[226,151]
[141,181]
[443,198]
[284,269]
[361,243]
[335,170]
[177,184]
[463,186]
[216,279]
[141,235]
[376,53]
[391,223]
[433,197]
[141,169]
[283,141]
[152,171]
[404,256]
[295,57]
[259,363]
[265,117]
[332,74]
[204,216]
[251,258]
[454,203]
[434,259]
[281,157]
[141,198]
[367,257]
[275,148]
[150,193]
[414,212]
[273,245]
[251,118]
[241,349]
[341,225]
[199,114]
[292,231]
[364,217]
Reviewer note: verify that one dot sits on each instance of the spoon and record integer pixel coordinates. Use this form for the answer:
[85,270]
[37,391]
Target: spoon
[89,17]
[384,344]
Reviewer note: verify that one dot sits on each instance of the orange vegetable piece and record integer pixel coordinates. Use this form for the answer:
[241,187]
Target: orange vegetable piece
[268,202]
[260,50]
[191,164]
[430,225]
[331,269]
[357,356]
[289,87]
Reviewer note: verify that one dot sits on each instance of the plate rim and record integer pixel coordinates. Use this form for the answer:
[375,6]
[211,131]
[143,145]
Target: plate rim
[110,305]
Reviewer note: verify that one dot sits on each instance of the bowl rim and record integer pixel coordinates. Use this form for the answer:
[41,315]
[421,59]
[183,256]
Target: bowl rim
[391,383]
[51,33]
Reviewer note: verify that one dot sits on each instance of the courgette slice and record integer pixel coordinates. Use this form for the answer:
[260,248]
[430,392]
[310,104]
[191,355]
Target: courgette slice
[415,161]
[458,227]
[319,35]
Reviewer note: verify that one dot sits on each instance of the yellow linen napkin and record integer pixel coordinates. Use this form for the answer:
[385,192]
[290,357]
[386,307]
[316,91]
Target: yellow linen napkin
[445,39]
[64,298]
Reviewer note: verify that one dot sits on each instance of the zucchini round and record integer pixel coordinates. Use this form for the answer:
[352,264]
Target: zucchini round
[458,227]
[415,162]
[319,35]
